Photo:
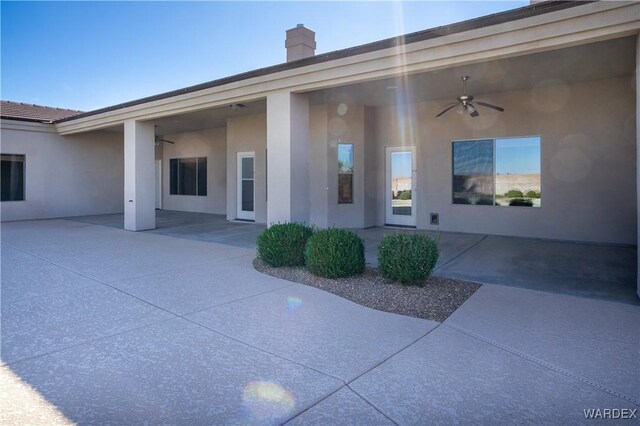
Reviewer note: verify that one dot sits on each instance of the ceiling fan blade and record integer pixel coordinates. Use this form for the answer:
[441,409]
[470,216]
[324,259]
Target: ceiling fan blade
[447,109]
[164,140]
[474,111]
[497,108]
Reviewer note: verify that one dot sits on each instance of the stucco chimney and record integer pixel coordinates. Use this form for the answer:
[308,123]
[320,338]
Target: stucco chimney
[300,43]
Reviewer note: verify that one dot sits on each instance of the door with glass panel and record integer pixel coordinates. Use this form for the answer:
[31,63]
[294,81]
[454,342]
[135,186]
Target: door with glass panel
[400,196]
[246,186]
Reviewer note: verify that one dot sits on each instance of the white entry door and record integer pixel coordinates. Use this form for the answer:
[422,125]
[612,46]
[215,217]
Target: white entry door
[246,186]
[158,184]
[400,196]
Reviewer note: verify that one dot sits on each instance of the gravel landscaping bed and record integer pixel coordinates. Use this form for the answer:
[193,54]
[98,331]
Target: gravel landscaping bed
[438,299]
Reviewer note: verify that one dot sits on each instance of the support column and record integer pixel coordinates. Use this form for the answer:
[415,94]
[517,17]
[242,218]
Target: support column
[287,157]
[139,176]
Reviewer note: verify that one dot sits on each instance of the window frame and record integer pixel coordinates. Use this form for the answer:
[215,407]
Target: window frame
[24,177]
[197,162]
[493,140]
[340,173]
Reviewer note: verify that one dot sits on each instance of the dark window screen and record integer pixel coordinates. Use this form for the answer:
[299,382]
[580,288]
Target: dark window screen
[202,176]
[173,176]
[188,176]
[12,171]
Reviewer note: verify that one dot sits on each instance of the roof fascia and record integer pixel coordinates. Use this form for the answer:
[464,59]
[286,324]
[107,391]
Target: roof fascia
[563,28]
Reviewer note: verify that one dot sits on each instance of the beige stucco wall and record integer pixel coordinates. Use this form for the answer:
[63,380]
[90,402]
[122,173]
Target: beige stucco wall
[318,175]
[65,175]
[374,170]
[346,125]
[588,149]
[210,143]
[247,133]
[330,125]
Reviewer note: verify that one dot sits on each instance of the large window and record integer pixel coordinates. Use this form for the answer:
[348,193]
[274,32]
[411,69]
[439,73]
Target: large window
[12,175]
[188,176]
[345,173]
[500,172]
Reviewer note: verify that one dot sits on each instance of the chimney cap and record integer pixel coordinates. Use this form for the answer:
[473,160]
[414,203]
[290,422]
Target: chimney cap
[299,25]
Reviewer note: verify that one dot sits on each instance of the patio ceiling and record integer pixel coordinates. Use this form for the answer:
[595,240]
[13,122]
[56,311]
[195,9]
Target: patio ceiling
[606,59]
[206,119]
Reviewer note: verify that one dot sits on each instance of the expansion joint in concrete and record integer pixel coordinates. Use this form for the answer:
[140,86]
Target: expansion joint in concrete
[548,365]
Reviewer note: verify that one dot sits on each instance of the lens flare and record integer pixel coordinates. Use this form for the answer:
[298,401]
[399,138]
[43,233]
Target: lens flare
[268,400]
[293,303]
[550,95]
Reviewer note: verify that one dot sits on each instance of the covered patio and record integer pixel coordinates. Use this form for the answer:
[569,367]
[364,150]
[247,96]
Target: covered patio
[579,269]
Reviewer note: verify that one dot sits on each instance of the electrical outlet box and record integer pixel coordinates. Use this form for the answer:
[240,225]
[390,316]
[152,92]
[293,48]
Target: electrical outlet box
[435,218]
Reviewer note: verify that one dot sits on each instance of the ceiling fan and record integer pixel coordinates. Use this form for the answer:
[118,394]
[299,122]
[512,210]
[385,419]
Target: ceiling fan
[464,102]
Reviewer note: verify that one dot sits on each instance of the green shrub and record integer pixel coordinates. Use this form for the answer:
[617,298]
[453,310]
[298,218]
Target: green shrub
[514,193]
[282,244]
[521,202]
[484,201]
[407,258]
[405,195]
[334,253]
[533,194]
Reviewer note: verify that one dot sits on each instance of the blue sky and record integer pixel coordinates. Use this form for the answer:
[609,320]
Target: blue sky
[518,155]
[87,55]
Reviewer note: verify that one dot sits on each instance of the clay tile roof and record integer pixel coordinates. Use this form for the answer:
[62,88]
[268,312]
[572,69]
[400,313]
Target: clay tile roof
[30,112]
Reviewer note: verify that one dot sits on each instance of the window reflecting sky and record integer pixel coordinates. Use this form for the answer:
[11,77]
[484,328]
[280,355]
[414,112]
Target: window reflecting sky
[345,157]
[401,164]
[518,156]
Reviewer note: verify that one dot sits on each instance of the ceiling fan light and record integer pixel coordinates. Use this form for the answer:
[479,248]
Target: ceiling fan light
[471,109]
[461,109]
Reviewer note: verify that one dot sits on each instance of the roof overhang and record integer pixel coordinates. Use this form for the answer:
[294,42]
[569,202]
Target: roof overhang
[561,28]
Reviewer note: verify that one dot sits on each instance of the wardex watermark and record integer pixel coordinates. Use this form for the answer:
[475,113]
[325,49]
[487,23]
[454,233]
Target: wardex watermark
[610,413]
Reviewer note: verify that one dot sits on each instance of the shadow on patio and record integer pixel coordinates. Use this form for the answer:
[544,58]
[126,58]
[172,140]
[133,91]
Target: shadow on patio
[192,226]
[580,269]
[596,271]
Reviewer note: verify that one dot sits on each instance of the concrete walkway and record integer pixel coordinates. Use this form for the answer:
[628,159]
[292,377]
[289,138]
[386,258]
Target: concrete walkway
[100,325]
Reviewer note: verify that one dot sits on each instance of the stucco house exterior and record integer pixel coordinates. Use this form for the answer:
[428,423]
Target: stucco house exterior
[350,138]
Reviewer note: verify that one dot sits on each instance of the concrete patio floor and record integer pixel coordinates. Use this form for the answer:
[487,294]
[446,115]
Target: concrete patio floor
[597,271]
[590,270]
[101,325]
[213,228]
